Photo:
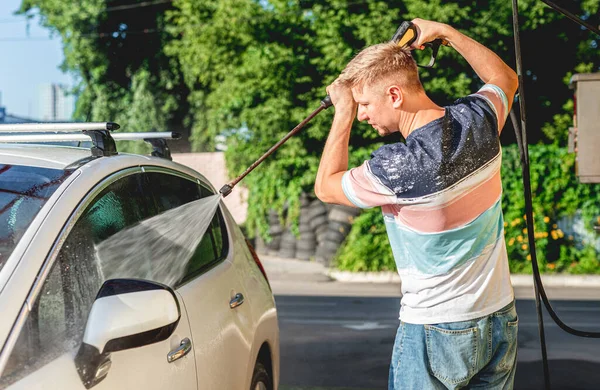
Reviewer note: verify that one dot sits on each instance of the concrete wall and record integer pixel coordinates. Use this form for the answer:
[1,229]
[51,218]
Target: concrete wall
[212,166]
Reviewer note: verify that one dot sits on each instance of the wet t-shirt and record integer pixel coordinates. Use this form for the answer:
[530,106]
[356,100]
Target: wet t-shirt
[440,194]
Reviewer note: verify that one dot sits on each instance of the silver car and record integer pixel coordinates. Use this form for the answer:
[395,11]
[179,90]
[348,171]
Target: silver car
[98,289]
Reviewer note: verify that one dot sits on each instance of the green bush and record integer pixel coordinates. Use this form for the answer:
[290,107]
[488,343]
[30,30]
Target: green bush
[557,193]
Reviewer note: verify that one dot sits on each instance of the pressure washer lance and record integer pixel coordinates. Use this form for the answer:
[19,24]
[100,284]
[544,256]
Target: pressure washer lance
[227,188]
[404,36]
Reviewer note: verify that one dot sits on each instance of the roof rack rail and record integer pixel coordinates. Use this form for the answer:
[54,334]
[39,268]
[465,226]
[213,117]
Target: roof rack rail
[70,127]
[27,138]
[103,142]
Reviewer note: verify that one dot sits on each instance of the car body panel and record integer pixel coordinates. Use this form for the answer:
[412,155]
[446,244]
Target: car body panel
[263,308]
[249,326]
[139,368]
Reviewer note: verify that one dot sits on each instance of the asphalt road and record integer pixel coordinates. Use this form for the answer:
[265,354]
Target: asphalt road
[330,342]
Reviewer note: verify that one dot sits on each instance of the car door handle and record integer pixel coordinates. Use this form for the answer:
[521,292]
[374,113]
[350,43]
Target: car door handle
[236,301]
[184,348]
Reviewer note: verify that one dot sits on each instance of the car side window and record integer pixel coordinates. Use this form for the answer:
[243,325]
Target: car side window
[173,191]
[56,323]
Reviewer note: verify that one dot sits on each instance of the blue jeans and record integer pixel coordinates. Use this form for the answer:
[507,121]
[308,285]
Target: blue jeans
[475,354]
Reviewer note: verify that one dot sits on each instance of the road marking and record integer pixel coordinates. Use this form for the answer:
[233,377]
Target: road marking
[570,308]
[305,303]
[344,323]
[367,326]
[548,322]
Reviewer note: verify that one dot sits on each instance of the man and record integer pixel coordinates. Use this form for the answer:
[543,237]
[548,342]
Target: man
[440,194]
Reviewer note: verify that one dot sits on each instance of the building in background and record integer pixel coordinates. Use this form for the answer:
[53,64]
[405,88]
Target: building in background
[55,103]
[8,118]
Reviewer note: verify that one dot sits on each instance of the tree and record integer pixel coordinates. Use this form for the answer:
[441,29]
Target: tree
[115,49]
[263,66]
[252,69]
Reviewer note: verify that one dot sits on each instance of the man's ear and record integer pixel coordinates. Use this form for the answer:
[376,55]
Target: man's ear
[395,95]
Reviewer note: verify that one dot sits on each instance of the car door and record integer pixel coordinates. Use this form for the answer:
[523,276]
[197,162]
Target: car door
[45,352]
[219,318]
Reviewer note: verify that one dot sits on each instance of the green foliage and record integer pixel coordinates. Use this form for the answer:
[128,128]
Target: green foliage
[367,247]
[115,50]
[556,194]
[252,69]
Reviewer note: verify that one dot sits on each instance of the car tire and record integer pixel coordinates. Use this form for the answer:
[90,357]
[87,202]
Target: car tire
[260,378]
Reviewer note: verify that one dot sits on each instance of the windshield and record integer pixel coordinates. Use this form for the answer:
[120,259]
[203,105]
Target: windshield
[23,192]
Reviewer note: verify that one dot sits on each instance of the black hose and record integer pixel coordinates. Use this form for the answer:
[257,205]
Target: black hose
[521,135]
[524,150]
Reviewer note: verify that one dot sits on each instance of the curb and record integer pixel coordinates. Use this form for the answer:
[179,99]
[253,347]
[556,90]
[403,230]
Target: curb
[292,269]
[578,281]
[517,280]
[363,277]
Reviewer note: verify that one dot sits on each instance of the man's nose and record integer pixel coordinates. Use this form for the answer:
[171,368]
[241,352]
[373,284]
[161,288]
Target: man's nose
[361,115]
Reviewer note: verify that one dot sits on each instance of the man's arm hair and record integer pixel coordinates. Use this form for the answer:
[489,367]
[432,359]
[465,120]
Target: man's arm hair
[488,66]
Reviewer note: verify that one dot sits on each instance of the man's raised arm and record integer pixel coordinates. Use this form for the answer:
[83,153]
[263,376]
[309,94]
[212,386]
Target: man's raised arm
[488,66]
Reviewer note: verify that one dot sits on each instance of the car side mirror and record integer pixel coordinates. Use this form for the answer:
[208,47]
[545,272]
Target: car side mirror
[127,313]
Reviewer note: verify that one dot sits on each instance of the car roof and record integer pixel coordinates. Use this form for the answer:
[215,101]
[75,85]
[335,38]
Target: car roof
[43,156]
[62,157]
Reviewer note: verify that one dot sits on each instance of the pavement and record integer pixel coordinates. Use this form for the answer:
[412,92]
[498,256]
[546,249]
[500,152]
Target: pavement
[297,277]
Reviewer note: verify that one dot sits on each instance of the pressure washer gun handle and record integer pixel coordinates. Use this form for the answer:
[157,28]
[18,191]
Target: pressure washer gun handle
[407,33]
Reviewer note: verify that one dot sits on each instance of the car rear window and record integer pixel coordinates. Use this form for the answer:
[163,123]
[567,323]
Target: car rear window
[23,192]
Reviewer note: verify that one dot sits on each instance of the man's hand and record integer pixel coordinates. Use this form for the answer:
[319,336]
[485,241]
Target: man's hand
[428,31]
[334,161]
[341,97]
[488,66]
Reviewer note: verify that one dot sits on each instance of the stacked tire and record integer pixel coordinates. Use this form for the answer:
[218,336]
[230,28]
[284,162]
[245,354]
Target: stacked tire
[287,247]
[307,242]
[317,216]
[275,231]
[339,224]
[323,229]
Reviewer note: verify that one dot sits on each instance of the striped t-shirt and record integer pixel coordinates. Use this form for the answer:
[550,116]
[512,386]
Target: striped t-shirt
[440,195]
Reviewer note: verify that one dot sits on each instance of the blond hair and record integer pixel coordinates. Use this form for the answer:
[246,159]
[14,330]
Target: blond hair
[383,62]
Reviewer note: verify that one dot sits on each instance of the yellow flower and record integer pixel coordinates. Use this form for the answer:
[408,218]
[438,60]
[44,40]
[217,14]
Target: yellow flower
[546,219]
[505,224]
[554,235]
[560,233]
[555,226]
[511,242]
[551,266]
[528,257]
[520,238]
[524,247]
[525,231]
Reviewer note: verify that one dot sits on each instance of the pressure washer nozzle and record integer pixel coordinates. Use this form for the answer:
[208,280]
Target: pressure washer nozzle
[226,190]
[326,103]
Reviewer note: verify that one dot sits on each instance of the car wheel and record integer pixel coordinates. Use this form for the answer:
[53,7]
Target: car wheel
[260,378]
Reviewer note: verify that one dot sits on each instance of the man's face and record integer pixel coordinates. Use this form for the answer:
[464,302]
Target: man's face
[376,107]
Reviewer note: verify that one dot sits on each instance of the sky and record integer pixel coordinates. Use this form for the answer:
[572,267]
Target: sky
[28,59]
